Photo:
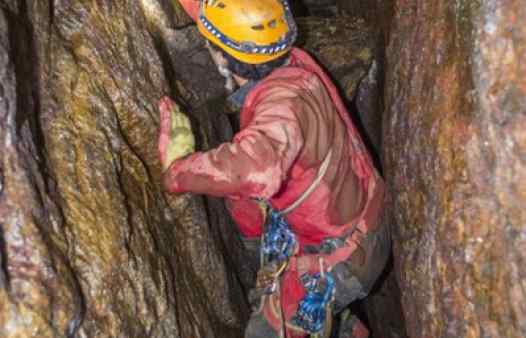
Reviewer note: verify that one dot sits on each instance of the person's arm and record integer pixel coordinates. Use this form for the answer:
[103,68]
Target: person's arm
[254,164]
[191,7]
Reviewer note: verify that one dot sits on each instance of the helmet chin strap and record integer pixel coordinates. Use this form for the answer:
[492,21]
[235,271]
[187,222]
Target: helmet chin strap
[230,84]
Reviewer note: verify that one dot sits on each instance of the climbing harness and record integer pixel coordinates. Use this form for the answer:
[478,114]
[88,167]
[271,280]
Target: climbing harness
[278,245]
[279,242]
[313,309]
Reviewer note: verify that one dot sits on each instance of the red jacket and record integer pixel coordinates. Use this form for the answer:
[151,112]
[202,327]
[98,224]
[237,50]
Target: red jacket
[289,121]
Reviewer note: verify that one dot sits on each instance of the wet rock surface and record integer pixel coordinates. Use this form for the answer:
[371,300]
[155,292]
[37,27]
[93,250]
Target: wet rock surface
[39,294]
[345,46]
[321,8]
[90,245]
[454,155]
[117,256]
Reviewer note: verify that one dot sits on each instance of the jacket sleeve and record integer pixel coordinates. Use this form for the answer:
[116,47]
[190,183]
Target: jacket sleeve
[254,164]
[191,7]
[248,216]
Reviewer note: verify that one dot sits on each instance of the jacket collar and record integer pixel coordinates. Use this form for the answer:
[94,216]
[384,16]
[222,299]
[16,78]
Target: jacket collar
[237,98]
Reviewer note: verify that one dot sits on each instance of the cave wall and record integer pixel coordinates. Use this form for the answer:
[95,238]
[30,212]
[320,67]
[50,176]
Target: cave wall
[39,294]
[454,143]
[91,245]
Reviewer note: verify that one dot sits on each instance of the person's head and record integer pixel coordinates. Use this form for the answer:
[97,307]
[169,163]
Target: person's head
[253,36]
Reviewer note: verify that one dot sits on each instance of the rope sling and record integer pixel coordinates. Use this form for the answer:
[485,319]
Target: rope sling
[278,244]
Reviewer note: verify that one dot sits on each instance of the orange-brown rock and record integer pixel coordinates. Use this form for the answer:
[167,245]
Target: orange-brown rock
[92,245]
[454,151]
[39,294]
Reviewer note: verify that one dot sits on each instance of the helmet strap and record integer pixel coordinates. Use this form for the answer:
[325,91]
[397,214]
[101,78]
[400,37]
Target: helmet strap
[230,84]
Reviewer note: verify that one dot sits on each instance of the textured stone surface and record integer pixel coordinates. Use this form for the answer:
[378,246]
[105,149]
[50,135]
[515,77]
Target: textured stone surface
[321,8]
[39,295]
[344,46]
[454,151]
[369,108]
[383,306]
[107,253]
[363,8]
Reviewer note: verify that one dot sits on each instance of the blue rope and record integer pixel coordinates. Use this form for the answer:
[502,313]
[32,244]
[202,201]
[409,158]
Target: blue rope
[312,310]
[279,242]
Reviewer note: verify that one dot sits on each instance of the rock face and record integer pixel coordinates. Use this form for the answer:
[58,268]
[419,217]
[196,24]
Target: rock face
[454,155]
[321,8]
[345,46]
[39,293]
[90,245]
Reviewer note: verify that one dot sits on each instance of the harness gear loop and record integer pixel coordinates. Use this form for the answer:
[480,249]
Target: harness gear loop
[278,244]
[277,240]
[313,310]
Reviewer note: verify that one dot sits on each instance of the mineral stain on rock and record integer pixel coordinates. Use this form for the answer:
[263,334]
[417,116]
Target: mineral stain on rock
[455,165]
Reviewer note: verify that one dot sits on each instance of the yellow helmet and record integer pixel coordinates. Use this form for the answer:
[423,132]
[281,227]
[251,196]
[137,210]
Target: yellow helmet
[252,31]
